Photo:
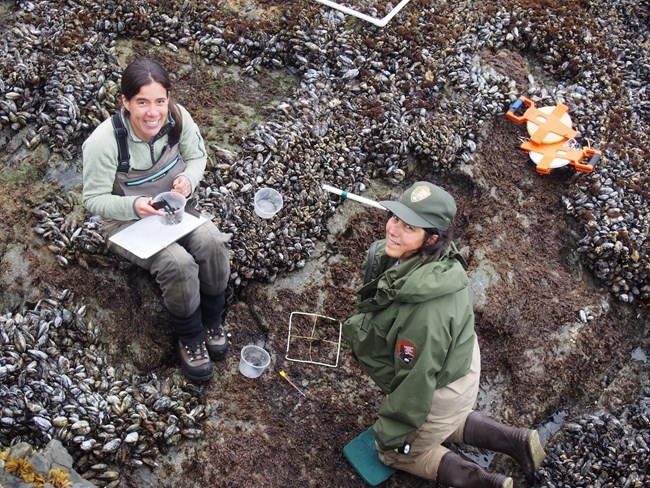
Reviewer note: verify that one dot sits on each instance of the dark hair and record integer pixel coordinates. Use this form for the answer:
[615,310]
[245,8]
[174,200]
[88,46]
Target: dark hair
[434,250]
[144,72]
[429,252]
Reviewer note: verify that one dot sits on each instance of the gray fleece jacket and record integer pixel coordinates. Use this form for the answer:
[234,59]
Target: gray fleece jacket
[100,160]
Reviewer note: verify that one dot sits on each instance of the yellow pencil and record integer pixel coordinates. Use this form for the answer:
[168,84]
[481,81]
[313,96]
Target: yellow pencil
[284,375]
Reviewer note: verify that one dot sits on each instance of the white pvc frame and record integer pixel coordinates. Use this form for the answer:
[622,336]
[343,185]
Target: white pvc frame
[311,338]
[367,18]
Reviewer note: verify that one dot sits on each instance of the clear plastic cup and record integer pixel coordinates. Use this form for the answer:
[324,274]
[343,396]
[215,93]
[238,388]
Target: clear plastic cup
[175,207]
[253,361]
[267,202]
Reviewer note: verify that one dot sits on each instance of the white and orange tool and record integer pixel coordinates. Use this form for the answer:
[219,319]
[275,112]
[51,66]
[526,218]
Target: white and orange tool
[551,156]
[551,144]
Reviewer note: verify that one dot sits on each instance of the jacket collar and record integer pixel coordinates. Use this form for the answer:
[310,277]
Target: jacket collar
[416,280]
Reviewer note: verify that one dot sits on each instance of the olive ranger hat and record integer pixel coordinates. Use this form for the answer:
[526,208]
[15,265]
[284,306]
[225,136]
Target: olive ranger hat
[424,205]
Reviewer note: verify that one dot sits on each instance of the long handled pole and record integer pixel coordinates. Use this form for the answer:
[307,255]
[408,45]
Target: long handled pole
[352,196]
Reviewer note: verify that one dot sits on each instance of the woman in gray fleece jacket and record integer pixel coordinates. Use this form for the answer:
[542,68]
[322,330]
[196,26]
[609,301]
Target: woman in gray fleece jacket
[162,150]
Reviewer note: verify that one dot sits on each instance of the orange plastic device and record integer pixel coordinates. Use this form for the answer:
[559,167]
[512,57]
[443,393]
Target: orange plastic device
[550,145]
[548,156]
[543,125]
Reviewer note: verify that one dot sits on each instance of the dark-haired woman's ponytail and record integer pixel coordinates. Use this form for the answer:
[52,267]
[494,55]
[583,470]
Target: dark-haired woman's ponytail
[435,250]
[175,134]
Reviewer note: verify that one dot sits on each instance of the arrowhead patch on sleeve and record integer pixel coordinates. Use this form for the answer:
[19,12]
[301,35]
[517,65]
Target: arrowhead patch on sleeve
[406,351]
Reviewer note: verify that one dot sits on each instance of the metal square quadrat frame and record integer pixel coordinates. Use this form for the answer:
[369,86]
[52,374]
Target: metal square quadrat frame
[313,338]
[355,13]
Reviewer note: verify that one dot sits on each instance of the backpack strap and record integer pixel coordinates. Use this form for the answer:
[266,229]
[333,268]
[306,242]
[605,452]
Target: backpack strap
[122,146]
[371,263]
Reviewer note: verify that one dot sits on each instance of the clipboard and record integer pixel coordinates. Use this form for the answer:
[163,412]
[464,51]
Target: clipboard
[149,235]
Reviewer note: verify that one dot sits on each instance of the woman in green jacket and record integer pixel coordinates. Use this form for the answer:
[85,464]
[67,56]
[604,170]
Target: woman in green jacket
[413,333]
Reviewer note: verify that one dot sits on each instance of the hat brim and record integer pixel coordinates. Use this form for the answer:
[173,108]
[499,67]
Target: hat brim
[406,214]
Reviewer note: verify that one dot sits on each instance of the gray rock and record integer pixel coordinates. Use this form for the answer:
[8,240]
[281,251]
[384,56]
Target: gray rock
[54,456]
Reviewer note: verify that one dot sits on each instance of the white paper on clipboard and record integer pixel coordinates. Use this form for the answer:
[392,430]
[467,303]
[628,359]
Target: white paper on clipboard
[148,236]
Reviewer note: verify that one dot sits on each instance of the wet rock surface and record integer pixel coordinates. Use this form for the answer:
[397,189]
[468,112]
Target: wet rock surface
[291,95]
[22,465]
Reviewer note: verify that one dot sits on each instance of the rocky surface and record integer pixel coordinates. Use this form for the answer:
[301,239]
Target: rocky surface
[292,95]
[22,465]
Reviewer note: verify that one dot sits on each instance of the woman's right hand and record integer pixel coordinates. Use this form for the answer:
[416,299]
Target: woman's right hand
[144,209]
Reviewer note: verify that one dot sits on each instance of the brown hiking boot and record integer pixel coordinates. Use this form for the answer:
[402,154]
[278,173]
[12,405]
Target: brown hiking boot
[216,342]
[195,361]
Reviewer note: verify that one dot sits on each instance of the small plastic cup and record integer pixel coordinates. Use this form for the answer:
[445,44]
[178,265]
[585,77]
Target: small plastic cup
[175,206]
[267,202]
[253,361]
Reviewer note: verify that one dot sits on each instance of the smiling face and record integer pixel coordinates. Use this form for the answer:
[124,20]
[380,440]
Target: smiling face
[402,238]
[148,110]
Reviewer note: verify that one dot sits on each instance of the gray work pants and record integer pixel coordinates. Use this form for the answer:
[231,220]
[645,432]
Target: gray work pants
[196,263]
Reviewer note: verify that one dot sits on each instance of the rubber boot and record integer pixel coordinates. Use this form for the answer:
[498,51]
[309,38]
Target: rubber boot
[212,308]
[523,445]
[456,471]
[195,362]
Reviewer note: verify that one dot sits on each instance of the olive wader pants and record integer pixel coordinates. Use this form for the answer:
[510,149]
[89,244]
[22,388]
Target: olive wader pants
[196,264]
[450,407]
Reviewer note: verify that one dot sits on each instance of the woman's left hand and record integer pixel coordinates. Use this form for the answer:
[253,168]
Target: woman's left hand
[182,185]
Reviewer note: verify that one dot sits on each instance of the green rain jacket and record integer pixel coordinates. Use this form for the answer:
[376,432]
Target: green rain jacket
[413,334]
